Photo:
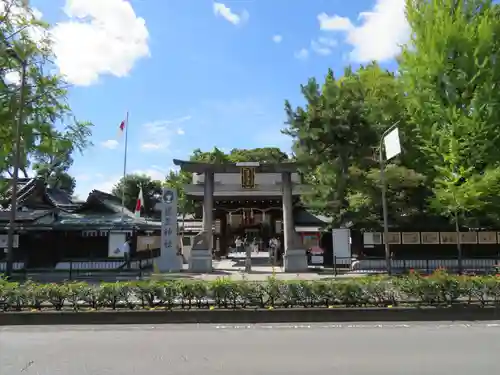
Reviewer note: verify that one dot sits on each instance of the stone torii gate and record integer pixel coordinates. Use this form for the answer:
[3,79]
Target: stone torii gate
[295,259]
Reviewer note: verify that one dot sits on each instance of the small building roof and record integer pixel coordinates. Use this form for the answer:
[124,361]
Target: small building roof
[201,167]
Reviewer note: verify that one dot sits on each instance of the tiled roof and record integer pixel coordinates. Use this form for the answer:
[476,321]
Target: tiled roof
[113,204]
[59,196]
[55,197]
[25,216]
[304,217]
[102,220]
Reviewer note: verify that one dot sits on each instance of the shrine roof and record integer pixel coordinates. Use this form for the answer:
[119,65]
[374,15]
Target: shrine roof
[35,193]
[25,216]
[261,167]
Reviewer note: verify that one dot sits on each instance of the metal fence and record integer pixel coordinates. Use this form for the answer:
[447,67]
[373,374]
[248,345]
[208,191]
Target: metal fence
[452,265]
[90,270]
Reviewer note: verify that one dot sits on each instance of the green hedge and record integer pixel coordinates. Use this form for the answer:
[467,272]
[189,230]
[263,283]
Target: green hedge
[413,289]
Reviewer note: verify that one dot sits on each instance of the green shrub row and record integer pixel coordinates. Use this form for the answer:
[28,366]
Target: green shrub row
[437,289]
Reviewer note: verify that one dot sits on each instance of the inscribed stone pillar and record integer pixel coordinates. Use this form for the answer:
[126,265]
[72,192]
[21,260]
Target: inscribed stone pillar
[208,206]
[201,253]
[295,259]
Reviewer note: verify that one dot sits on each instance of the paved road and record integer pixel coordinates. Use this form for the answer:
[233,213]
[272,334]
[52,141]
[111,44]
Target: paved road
[369,349]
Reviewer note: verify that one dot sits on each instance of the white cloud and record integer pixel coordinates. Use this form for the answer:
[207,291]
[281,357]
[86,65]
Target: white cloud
[277,38]
[221,10]
[327,41]
[302,54]
[150,146]
[334,23]
[154,172]
[380,34]
[110,143]
[97,182]
[323,46]
[158,135]
[101,37]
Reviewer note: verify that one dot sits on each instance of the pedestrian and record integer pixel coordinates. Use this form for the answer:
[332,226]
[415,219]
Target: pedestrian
[126,253]
[238,243]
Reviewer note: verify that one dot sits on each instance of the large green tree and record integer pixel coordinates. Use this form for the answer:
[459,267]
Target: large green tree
[151,190]
[450,72]
[49,132]
[336,142]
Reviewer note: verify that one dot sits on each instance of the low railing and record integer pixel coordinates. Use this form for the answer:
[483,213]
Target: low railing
[103,270]
[452,265]
[16,266]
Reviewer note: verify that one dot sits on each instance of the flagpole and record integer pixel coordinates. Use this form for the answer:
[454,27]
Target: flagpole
[124,167]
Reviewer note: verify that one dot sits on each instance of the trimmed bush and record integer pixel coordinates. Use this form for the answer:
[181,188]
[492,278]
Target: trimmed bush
[438,289]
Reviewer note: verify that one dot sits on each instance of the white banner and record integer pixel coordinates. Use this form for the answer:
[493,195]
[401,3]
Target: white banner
[392,145]
[115,245]
[342,245]
[4,241]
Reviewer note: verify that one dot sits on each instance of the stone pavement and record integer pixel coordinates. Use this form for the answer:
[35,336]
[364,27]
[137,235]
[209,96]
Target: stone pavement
[234,267]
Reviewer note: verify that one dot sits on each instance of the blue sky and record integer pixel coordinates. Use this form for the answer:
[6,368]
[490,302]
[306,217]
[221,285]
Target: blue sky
[198,73]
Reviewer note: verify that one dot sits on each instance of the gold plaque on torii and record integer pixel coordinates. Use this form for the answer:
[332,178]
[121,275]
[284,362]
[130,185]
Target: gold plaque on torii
[248,178]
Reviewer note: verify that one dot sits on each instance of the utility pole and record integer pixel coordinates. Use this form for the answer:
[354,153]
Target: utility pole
[384,198]
[15,174]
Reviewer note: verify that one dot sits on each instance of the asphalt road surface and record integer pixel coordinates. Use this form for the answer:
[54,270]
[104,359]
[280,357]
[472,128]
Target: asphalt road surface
[351,349]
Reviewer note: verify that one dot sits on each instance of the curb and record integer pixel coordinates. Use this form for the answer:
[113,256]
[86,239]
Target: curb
[303,315]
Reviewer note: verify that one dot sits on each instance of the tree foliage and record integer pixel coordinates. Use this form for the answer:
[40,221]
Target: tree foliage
[131,184]
[336,138]
[446,103]
[49,131]
[450,73]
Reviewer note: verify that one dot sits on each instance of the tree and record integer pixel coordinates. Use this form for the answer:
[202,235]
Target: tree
[132,183]
[263,155]
[336,138]
[50,133]
[449,73]
[177,180]
[329,134]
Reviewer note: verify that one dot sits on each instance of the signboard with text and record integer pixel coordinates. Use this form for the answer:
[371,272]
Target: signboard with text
[169,238]
[248,178]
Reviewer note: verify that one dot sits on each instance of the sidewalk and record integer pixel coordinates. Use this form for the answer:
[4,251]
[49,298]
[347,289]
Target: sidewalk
[235,271]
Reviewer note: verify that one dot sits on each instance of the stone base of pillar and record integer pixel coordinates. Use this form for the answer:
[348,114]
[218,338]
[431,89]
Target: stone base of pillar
[295,260]
[200,261]
[169,263]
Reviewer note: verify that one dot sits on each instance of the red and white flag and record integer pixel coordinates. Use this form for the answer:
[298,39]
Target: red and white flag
[122,126]
[139,204]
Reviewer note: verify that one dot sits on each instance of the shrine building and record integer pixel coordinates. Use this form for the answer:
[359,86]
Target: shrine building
[255,201]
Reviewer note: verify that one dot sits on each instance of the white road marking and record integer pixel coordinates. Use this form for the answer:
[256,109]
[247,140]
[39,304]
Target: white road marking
[356,326]
[263,326]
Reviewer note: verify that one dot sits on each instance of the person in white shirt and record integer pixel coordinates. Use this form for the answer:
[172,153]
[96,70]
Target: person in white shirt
[239,244]
[126,252]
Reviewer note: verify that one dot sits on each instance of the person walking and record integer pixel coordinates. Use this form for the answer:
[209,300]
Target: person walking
[272,250]
[239,244]
[126,253]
